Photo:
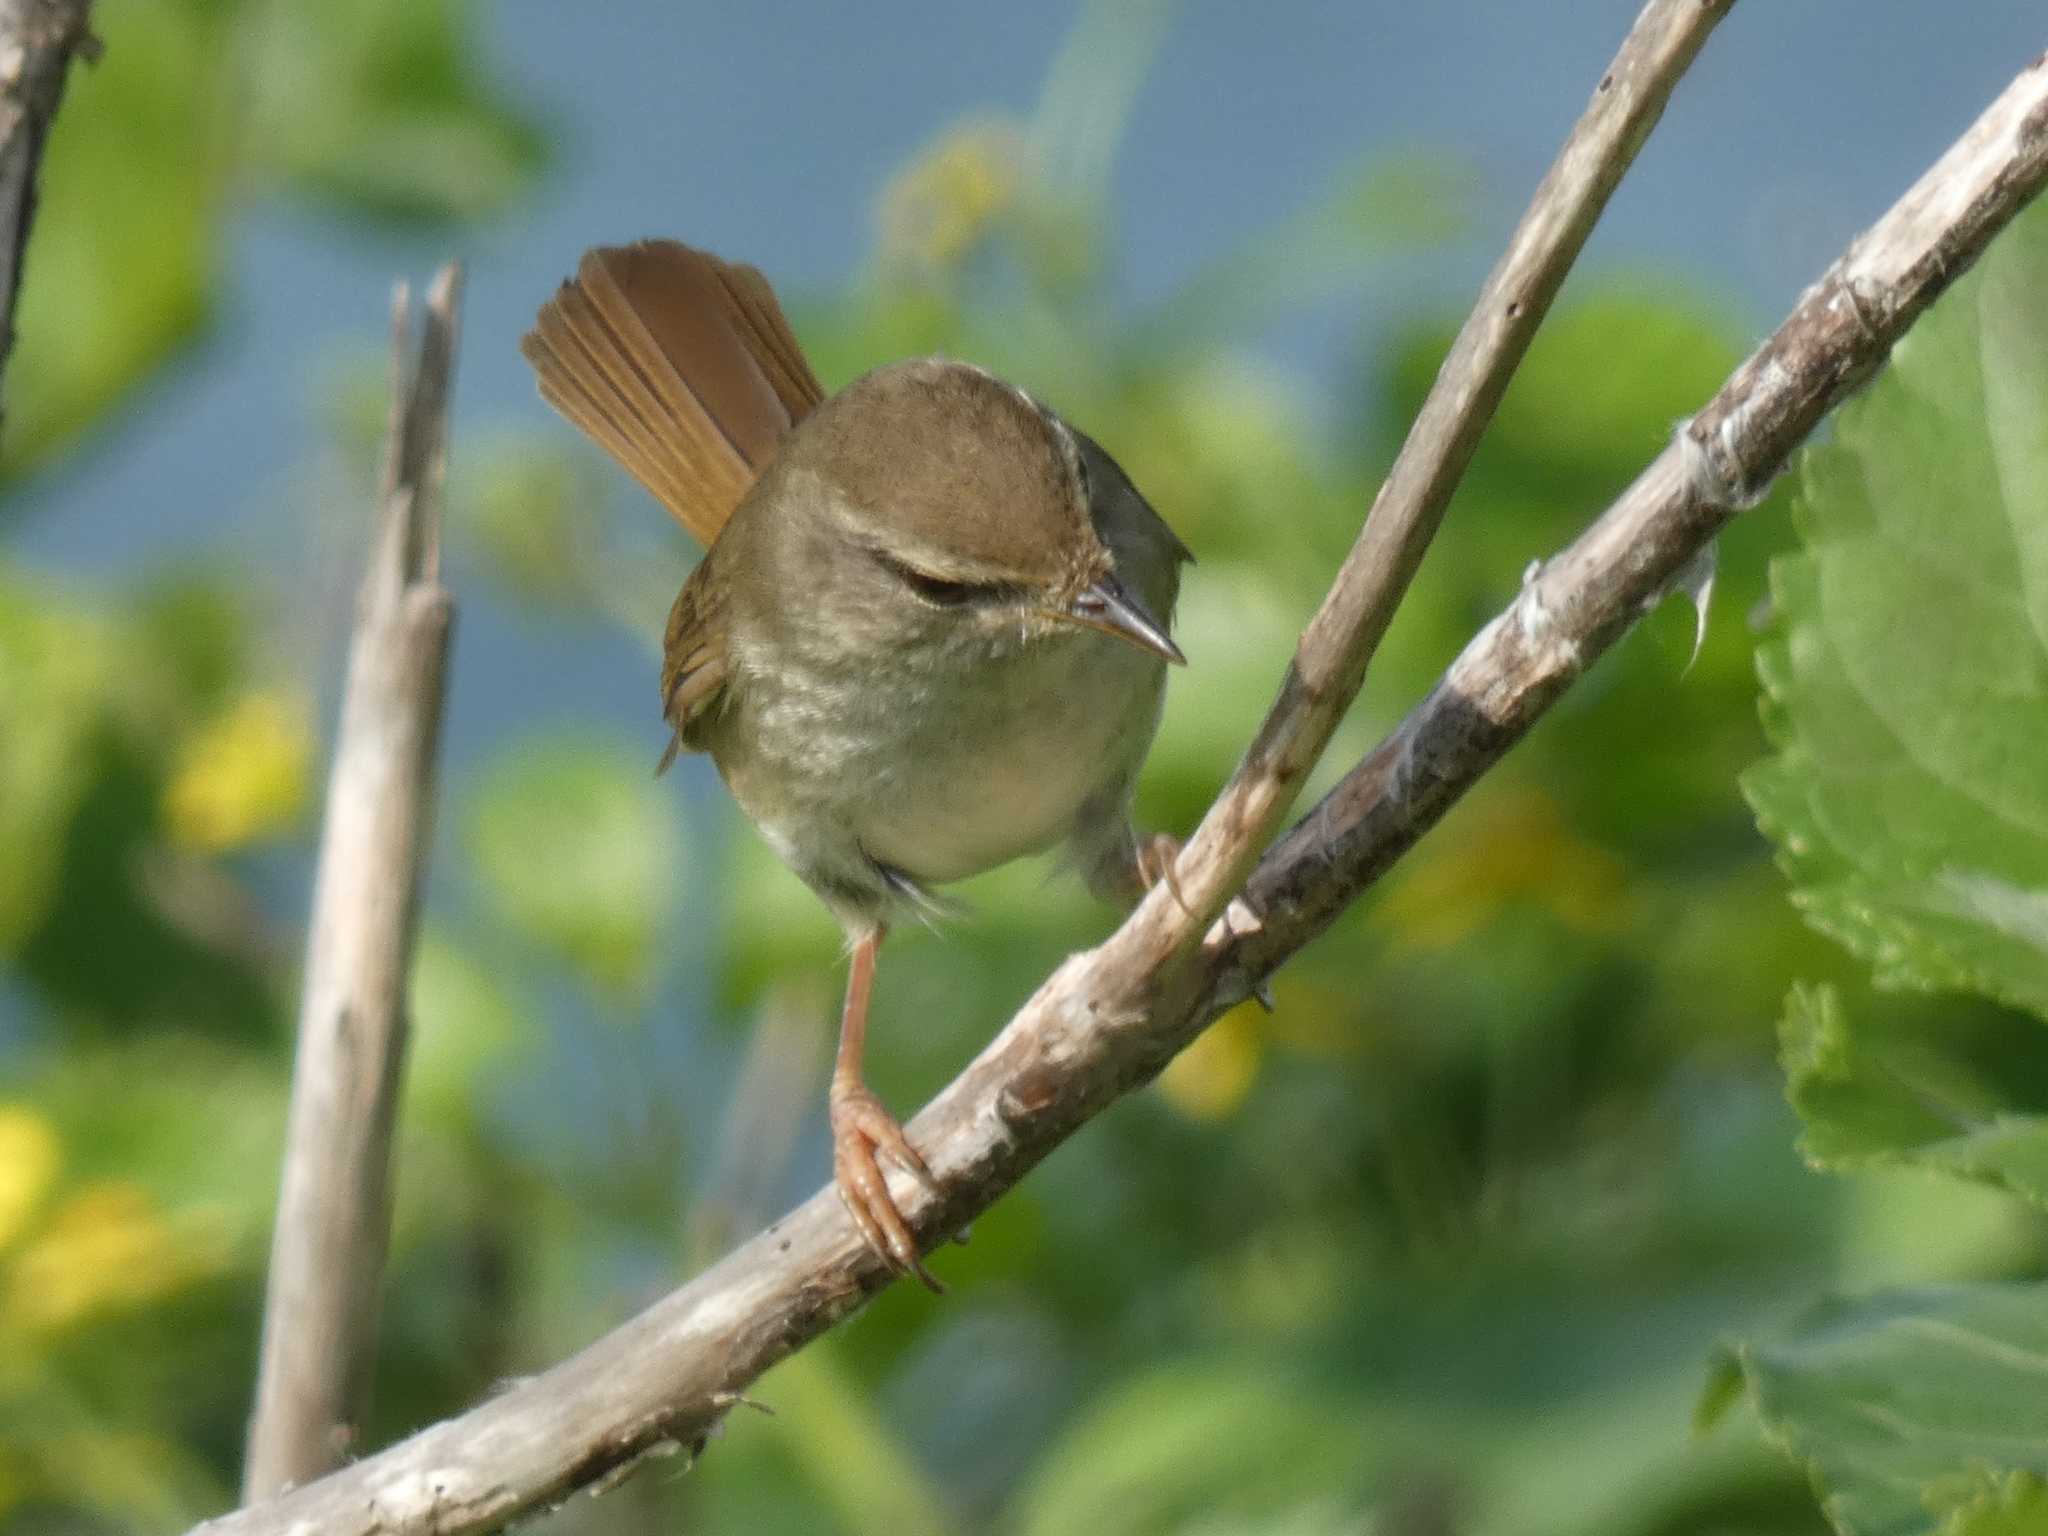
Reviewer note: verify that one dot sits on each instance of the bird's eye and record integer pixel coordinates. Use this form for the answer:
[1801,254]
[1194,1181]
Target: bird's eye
[938,589]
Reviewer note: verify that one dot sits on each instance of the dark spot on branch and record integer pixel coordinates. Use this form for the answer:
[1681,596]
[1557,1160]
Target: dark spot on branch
[1031,1092]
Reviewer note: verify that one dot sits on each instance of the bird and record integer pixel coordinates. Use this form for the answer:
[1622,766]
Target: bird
[929,633]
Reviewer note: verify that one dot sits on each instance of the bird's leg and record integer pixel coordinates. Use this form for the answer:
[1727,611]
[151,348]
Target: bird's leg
[1153,858]
[1152,862]
[861,1127]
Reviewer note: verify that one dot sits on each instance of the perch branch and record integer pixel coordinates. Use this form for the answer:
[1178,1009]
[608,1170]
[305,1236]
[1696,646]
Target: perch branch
[1104,1023]
[1575,605]
[38,39]
[333,1214]
[1330,661]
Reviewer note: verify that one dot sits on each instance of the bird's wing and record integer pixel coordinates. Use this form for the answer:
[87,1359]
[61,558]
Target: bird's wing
[693,659]
[679,365]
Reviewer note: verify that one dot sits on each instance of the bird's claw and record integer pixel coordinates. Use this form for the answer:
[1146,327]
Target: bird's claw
[1156,859]
[861,1127]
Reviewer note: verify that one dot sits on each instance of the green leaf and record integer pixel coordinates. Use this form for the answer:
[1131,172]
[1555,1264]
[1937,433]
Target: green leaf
[527,507]
[134,166]
[1906,690]
[194,1122]
[1604,380]
[2013,1505]
[1922,1411]
[1884,1091]
[578,849]
[377,104]
[1188,1446]
[846,1451]
[1908,685]
[365,104]
[465,1025]
[55,664]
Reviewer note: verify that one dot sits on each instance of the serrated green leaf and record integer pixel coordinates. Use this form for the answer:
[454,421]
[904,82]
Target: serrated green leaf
[1918,1412]
[1910,677]
[1876,1092]
[2013,1505]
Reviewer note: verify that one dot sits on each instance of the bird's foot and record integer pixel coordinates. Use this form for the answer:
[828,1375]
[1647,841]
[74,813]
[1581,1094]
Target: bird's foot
[1156,858]
[861,1127]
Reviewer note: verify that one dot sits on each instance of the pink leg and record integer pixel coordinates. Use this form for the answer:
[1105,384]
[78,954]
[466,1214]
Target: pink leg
[861,1127]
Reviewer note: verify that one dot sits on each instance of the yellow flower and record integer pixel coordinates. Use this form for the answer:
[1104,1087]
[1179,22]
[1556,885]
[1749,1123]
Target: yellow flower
[1211,1077]
[1513,846]
[106,1246]
[240,777]
[28,1164]
[938,208]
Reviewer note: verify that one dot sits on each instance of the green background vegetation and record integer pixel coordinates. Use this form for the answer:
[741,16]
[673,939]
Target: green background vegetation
[1457,1240]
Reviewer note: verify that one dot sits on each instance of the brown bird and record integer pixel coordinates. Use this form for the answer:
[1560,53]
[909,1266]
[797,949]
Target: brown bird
[929,633]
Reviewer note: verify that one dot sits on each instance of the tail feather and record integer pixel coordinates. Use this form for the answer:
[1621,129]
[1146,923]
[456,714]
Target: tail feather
[575,381]
[795,385]
[667,418]
[680,366]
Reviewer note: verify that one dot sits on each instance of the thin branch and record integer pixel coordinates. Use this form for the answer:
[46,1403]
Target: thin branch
[38,39]
[1107,1020]
[333,1218]
[1335,650]
[1573,607]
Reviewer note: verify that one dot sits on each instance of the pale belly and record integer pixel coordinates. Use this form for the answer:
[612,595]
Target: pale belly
[967,799]
[908,771]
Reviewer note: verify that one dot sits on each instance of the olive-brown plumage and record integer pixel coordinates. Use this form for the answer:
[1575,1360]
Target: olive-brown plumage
[928,634]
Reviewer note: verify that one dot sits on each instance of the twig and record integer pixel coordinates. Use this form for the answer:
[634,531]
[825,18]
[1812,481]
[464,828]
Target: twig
[1330,662]
[333,1218]
[1573,607]
[38,39]
[1105,1022]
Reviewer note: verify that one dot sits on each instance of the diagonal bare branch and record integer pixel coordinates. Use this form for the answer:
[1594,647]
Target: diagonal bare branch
[1107,1020]
[334,1216]
[1577,604]
[1335,650]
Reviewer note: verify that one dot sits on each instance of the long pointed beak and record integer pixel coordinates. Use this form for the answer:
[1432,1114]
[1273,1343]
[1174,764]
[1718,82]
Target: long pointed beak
[1110,607]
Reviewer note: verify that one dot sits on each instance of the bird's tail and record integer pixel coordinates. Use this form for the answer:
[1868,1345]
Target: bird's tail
[679,365]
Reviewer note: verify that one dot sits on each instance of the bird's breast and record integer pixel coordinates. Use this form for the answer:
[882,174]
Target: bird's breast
[939,762]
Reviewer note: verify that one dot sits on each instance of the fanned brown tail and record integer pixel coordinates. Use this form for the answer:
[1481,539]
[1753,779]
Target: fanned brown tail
[679,365]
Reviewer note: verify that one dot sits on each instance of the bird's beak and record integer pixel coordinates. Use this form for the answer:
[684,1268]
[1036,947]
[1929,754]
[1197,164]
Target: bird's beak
[1109,606]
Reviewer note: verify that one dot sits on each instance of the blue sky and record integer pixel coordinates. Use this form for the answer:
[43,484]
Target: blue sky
[767,131]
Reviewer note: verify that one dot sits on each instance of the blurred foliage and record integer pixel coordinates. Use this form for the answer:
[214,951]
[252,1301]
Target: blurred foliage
[363,106]
[1906,691]
[598,887]
[1443,1245]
